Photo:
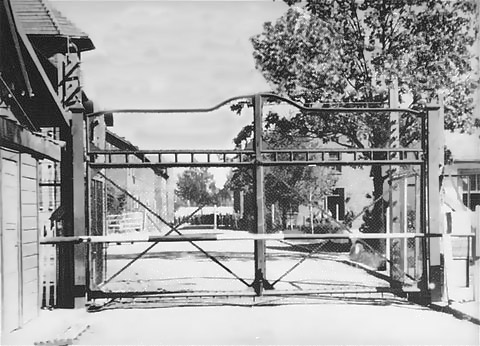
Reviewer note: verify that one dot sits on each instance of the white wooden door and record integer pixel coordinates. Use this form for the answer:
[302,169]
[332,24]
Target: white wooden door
[10,241]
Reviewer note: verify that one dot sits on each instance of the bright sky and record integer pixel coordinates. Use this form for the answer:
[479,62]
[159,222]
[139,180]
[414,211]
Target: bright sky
[172,54]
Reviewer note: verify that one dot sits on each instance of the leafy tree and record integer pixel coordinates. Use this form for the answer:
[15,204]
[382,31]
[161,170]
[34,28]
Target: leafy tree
[332,52]
[285,186]
[116,200]
[196,186]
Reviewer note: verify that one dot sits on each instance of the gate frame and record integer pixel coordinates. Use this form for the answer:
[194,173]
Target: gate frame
[429,156]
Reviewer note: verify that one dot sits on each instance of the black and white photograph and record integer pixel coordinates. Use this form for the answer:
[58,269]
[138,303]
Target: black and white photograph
[239,172]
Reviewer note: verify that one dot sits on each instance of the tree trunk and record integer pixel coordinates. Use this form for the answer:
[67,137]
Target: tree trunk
[377,222]
[284,218]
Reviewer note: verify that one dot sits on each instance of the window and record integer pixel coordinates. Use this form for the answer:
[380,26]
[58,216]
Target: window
[336,204]
[471,190]
[335,156]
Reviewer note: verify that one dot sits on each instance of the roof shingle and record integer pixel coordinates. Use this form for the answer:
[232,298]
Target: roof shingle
[39,18]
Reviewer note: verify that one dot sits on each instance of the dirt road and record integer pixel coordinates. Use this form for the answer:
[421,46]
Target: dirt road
[323,323]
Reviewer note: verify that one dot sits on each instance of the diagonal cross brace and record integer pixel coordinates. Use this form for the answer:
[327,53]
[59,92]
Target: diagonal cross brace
[174,228]
[344,227]
[140,255]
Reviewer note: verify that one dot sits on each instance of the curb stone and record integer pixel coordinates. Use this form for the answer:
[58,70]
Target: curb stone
[455,312]
[67,337]
[436,307]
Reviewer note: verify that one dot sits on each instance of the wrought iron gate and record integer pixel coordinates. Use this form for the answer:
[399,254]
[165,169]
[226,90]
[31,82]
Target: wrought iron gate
[303,223]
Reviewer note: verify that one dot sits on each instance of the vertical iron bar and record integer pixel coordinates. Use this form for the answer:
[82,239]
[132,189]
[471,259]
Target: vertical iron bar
[423,211]
[469,194]
[259,245]
[468,263]
[88,207]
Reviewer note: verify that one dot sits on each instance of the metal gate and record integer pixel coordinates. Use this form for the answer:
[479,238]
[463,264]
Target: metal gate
[301,224]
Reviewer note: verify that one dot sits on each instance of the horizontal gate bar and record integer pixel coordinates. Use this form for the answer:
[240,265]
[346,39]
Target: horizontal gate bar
[361,162]
[223,237]
[234,158]
[264,163]
[250,152]
[169,164]
[231,294]
[315,110]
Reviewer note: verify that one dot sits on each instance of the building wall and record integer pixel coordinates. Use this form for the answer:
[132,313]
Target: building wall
[462,184]
[30,236]
[145,185]
[19,239]
[10,236]
[357,184]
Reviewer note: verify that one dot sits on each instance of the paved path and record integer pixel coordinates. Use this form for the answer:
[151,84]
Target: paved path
[337,320]
[324,323]
[181,267]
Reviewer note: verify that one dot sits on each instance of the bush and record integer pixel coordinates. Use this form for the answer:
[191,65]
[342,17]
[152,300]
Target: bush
[323,228]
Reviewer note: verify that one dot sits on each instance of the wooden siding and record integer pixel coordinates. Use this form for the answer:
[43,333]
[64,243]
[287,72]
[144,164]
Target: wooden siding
[30,245]
[30,262]
[10,264]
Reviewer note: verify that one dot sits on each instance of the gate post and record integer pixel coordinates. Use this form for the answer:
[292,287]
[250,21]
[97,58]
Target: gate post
[435,218]
[71,276]
[259,282]
[79,225]
[65,251]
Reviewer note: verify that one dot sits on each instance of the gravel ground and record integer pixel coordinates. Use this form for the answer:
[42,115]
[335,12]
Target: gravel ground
[181,267]
[324,323]
[176,267]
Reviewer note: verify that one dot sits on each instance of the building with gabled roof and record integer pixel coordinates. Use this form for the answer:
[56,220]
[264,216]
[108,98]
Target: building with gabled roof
[41,154]
[47,28]
[27,99]
[39,83]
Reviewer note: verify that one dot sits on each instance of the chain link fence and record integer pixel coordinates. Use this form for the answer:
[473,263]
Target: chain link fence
[303,200]
[326,210]
[338,200]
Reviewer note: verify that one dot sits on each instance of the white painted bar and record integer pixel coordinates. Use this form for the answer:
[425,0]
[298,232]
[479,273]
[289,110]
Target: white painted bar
[222,237]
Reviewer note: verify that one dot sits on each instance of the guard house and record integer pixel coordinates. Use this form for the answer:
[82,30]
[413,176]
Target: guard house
[39,82]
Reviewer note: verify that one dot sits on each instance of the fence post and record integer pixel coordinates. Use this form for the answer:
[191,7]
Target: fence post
[395,246]
[435,219]
[259,250]
[476,256]
[79,219]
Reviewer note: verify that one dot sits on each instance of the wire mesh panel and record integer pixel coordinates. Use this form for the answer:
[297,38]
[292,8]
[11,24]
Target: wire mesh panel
[295,206]
[139,203]
[313,200]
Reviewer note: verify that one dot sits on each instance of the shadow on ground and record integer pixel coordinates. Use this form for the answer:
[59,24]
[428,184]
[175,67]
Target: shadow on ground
[376,299]
[317,247]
